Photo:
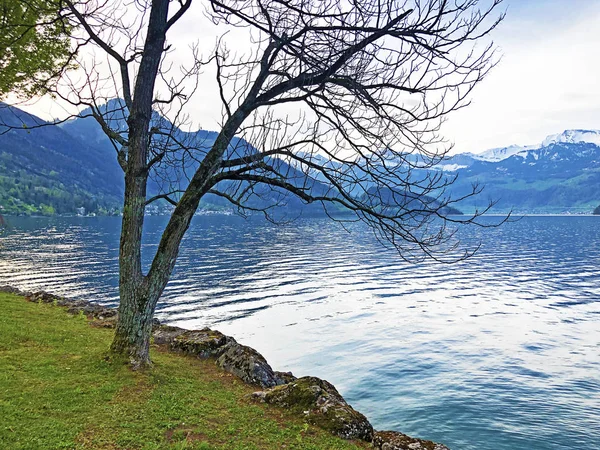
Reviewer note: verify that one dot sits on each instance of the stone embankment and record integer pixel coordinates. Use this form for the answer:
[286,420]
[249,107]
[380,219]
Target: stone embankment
[317,400]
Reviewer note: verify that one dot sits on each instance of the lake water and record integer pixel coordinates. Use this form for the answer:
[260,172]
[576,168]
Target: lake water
[499,352]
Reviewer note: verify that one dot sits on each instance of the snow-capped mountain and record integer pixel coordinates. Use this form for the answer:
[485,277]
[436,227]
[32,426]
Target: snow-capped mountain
[499,154]
[567,136]
[574,137]
[561,174]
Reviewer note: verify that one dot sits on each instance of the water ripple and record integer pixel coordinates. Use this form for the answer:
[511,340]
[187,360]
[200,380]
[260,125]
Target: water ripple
[499,352]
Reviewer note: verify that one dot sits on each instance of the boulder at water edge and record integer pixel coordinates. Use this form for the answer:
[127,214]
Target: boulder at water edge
[249,365]
[392,440]
[201,343]
[100,315]
[321,404]
[166,334]
[242,361]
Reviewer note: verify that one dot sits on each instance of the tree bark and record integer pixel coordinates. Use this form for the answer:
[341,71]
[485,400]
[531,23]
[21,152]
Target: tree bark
[134,327]
[137,298]
[132,335]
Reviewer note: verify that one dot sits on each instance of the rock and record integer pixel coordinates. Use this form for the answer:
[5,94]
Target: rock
[13,290]
[74,306]
[249,365]
[44,297]
[91,310]
[201,343]
[242,361]
[321,404]
[165,334]
[392,440]
[101,316]
[284,377]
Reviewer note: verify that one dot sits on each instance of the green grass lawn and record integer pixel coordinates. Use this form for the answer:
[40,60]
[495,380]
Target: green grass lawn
[57,390]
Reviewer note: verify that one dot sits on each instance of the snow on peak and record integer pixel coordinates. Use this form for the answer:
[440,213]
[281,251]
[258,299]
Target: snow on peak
[574,137]
[567,136]
[498,154]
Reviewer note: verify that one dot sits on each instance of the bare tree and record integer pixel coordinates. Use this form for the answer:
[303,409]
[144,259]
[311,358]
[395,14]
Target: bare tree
[338,103]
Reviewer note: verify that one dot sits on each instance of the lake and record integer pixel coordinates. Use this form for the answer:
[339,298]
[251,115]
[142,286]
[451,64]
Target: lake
[499,352]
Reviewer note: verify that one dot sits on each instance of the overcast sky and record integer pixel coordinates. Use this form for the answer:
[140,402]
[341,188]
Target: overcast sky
[548,79]
[546,82]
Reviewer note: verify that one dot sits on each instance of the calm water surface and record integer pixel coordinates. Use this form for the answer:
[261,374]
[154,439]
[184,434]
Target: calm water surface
[498,352]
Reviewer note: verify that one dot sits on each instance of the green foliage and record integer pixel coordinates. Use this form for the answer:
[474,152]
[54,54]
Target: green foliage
[597,211]
[25,193]
[34,45]
[44,170]
[59,391]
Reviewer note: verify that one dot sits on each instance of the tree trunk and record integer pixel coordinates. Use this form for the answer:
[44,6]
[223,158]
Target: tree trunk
[138,297]
[136,307]
[134,327]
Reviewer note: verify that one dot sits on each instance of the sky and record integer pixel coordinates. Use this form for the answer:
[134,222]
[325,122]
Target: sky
[546,81]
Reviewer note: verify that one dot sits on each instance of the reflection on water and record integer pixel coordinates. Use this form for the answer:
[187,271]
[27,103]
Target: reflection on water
[498,352]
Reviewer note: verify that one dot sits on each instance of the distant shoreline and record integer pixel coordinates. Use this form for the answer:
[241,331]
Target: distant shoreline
[513,214]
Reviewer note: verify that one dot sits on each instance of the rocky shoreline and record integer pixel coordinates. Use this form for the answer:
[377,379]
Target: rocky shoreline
[314,399]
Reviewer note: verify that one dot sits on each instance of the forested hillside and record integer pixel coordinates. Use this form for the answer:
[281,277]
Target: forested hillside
[44,170]
[47,169]
[560,175]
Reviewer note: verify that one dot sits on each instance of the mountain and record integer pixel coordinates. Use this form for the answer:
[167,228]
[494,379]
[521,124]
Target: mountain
[566,137]
[179,166]
[396,202]
[560,174]
[45,170]
[499,154]
[573,137]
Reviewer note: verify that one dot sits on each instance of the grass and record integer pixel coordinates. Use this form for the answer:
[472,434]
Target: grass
[57,390]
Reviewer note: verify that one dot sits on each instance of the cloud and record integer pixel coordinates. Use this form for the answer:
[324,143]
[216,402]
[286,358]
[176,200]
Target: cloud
[545,83]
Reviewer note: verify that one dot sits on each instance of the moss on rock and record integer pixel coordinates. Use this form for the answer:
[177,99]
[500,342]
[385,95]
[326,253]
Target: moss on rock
[322,405]
[201,343]
[393,440]
[166,334]
[249,365]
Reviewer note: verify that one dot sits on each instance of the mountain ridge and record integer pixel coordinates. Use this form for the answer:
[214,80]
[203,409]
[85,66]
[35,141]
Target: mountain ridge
[77,157]
[560,175]
[46,169]
[572,136]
